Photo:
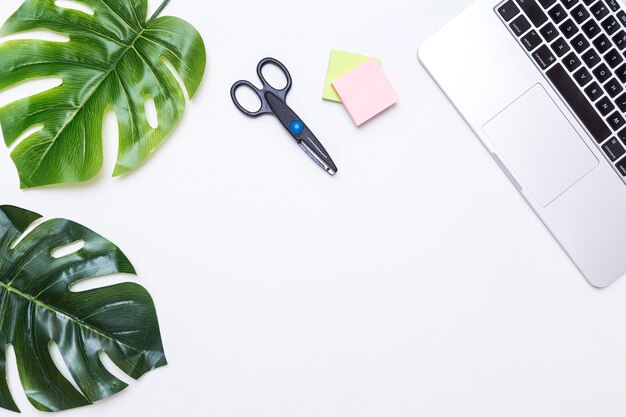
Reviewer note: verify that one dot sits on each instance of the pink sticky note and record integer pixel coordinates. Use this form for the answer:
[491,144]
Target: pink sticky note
[365,92]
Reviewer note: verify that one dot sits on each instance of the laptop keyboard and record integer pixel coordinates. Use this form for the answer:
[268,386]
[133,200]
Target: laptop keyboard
[580,47]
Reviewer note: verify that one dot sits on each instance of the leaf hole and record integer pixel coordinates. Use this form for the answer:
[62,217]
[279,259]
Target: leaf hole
[110,140]
[59,362]
[27,133]
[28,231]
[74,5]
[89,284]
[28,88]
[13,380]
[39,34]
[174,72]
[151,112]
[113,369]
[68,249]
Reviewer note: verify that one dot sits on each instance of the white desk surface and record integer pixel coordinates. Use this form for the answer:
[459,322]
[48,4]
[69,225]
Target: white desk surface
[415,283]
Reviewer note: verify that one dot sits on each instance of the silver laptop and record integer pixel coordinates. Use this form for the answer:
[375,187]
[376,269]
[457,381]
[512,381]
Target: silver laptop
[543,85]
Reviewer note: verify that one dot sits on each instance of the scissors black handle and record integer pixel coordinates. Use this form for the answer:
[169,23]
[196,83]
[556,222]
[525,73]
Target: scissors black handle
[273,101]
[267,88]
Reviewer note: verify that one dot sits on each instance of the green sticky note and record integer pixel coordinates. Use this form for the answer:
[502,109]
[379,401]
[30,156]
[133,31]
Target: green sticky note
[340,64]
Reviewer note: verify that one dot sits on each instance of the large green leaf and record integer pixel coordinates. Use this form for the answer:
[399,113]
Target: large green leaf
[37,307]
[114,59]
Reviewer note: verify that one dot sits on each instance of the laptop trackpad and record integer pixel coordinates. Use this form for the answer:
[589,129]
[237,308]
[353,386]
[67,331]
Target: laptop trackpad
[544,151]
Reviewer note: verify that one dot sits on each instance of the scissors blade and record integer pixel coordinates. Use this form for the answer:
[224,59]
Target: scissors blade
[318,154]
[305,138]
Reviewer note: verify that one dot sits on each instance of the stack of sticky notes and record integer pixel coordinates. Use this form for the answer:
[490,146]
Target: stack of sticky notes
[360,84]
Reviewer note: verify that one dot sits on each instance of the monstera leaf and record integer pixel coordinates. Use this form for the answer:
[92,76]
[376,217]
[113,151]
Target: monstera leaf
[37,308]
[114,58]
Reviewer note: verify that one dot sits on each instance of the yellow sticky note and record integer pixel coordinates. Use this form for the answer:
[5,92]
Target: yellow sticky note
[340,64]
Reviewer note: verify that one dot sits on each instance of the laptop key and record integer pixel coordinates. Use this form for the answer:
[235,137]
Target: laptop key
[571,62]
[520,25]
[611,25]
[594,91]
[582,77]
[591,58]
[591,29]
[557,13]
[560,47]
[508,10]
[546,3]
[613,5]
[620,40]
[613,149]
[602,43]
[578,103]
[613,58]
[544,57]
[568,28]
[613,87]
[621,16]
[622,136]
[533,11]
[531,40]
[621,73]
[605,106]
[602,73]
[621,103]
[616,121]
[580,43]
[621,167]
[580,14]
[599,10]
[549,32]
[569,3]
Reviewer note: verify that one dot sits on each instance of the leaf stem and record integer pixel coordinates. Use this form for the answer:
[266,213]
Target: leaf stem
[159,10]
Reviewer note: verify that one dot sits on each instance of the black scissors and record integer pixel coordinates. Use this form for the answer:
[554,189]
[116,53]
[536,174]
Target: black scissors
[273,102]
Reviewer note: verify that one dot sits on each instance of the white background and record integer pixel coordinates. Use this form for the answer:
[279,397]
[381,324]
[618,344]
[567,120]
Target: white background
[417,282]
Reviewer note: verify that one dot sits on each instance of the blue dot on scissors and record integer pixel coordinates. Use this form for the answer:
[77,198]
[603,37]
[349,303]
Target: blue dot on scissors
[296,127]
